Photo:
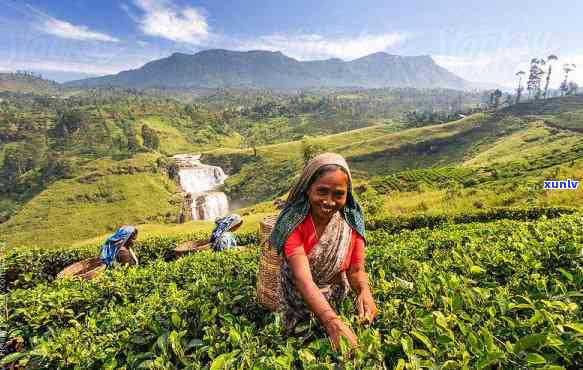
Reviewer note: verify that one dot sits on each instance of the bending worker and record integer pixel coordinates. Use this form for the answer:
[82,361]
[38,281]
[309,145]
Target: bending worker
[222,236]
[117,247]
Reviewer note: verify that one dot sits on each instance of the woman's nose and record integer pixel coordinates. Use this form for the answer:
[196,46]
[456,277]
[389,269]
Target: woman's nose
[329,202]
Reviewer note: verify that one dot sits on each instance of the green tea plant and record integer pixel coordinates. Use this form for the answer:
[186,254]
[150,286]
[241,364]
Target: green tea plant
[503,294]
[27,267]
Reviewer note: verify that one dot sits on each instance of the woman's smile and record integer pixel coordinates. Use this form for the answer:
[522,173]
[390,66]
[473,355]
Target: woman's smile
[327,210]
[328,194]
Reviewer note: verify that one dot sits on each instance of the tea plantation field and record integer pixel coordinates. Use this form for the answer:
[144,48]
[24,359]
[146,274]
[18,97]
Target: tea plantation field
[499,294]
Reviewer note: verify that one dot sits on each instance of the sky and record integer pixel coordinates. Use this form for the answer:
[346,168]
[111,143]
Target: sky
[481,41]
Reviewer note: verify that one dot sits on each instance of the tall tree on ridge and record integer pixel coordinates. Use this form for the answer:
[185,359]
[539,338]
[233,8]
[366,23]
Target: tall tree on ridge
[535,77]
[568,68]
[520,89]
[550,59]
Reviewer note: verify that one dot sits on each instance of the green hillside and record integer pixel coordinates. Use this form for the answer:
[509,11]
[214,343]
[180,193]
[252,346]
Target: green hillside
[485,160]
[500,144]
[21,83]
[104,195]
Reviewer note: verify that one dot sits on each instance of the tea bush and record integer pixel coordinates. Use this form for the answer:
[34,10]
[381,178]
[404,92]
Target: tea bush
[478,295]
[25,268]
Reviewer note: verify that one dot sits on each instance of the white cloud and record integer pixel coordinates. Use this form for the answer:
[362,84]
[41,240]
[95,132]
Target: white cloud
[66,30]
[314,46]
[162,18]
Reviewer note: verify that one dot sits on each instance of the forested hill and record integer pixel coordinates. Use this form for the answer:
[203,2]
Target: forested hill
[27,83]
[274,70]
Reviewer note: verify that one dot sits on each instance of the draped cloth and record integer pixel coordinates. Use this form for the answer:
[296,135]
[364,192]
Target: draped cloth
[221,238]
[326,258]
[110,249]
[325,261]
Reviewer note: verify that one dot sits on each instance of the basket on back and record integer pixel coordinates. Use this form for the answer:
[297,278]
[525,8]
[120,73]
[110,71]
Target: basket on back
[268,279]
[86,269]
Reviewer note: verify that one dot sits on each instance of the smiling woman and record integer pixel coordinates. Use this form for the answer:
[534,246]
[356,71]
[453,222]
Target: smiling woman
[320,232]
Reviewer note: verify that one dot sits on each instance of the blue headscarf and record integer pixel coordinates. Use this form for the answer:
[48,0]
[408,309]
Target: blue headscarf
[110,249]
[298,206]
[220,237]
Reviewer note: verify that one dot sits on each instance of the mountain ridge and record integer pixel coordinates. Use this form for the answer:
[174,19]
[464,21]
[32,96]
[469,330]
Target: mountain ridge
[222,68]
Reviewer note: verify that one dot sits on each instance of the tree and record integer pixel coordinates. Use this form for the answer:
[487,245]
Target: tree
[535,78]
[150,138]
[131,138]
[311,148]
[19,159]
[573,87]
[520,89]
[550,59]
[497,97]
[567,68]
[255,136]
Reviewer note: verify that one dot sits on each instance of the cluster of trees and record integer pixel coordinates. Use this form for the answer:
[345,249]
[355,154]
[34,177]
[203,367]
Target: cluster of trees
[39,147]
[540,73]
[466,104]
[29,74]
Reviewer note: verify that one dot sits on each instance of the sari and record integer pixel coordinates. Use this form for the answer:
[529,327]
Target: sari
[327,256]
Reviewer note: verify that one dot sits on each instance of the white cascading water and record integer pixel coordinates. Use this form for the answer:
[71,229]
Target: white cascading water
[200,180]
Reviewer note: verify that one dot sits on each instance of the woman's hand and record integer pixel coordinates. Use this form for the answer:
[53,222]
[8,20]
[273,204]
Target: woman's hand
[367,309]
[335,329]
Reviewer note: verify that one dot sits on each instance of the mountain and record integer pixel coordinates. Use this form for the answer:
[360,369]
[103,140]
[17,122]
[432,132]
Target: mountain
[219,68]
[27,83]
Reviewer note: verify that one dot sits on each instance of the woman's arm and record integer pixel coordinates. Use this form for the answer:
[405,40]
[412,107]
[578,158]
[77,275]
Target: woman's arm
[125,256]
[313,298]
[316,301]
[358,280]
[357,277]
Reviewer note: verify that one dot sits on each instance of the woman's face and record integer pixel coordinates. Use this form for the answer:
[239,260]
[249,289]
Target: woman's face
[328,193]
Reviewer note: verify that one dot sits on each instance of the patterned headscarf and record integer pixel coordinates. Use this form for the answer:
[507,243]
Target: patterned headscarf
[298,205]
[221,238]
[110,248]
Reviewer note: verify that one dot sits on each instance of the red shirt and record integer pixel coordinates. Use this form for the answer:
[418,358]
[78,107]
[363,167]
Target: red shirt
[303,239]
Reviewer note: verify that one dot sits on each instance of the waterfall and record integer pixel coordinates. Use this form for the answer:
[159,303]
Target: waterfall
[200,181]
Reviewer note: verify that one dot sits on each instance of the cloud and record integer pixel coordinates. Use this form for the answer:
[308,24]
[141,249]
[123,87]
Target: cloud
[162,18]
[66,30]
[314,46]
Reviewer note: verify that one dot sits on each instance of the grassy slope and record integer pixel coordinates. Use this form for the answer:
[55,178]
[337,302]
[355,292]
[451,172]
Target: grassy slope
[546,136]
[371,151]
[477,141]
[24,84]
[483,140]
[517,192]
[174,141]
[106,194]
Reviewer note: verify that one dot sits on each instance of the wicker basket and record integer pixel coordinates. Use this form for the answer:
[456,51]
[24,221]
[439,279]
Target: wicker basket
[86,269]
[268,277]
[190,247]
